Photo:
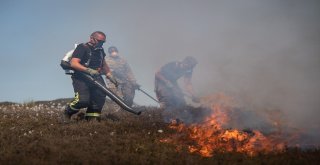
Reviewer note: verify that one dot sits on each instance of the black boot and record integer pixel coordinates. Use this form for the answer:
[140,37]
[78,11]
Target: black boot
[93,117]
[68,112]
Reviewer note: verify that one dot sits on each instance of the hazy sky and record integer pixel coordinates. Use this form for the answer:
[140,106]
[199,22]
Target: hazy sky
[263,52]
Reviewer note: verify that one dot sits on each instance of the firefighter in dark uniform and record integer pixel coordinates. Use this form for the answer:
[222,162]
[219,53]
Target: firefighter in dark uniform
[88,58]
[167,89]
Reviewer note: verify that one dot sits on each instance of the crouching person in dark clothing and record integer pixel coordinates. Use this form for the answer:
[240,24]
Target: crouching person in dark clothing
[168,92]
[88,58]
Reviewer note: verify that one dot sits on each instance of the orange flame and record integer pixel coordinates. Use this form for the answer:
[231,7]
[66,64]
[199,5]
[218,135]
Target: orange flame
[209,136]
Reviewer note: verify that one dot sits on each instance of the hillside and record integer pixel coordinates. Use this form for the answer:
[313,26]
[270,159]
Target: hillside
[34,133]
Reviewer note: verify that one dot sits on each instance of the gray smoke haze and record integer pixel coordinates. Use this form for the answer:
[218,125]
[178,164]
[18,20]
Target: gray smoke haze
[263,53]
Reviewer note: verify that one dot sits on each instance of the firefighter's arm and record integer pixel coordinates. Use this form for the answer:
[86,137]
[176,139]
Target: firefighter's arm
[75,64]
[159,76]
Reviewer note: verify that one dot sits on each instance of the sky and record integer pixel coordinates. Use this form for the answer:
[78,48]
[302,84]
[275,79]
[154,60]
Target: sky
[263,53]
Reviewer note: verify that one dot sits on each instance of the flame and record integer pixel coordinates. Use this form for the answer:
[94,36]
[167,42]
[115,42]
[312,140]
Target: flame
[209,136]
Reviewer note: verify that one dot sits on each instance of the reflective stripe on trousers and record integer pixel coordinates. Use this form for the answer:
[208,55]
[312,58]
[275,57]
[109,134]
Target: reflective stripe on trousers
[93,114]
[74,102]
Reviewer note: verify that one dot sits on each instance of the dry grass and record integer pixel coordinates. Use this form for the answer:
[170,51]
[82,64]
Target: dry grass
[36,134]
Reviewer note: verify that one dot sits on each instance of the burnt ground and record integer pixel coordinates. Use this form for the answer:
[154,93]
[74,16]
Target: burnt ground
[35,133]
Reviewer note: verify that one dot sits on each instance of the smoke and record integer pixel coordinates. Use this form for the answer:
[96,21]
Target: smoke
[267,57]
[265,54]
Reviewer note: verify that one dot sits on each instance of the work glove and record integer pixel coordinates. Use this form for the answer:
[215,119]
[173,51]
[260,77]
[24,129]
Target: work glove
[92,72]
[113,80]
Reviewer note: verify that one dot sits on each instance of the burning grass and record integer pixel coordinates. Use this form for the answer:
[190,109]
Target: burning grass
[35,134]
[213,135]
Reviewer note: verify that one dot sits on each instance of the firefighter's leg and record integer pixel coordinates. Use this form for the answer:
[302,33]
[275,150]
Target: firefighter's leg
[167,98]
[97,100]
[172,107]
[128,94]
[114,106]
[164,95]
[171,100]
[81,99]
[167,104]
[113,88]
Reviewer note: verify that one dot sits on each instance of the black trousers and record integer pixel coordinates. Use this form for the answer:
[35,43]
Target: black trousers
[87,96]
[169,98]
